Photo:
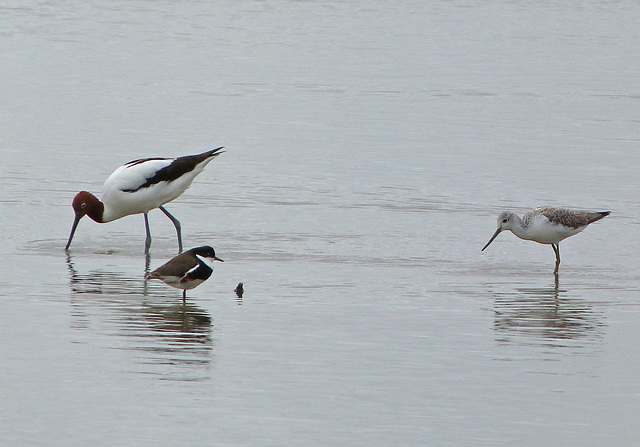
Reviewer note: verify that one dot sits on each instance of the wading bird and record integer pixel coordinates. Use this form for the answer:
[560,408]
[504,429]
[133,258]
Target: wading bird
[547,225]
[187,270]
[140,186]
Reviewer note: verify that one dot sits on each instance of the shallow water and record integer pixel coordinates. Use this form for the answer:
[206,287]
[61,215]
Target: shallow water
[370,149]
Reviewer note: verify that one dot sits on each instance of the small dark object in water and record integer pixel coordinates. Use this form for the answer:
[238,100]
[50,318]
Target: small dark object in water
[239,290]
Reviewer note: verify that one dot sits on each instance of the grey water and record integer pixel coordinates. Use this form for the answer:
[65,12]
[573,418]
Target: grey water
[369,149]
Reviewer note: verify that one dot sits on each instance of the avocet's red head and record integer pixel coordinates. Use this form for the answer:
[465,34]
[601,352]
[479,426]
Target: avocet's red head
[85,204]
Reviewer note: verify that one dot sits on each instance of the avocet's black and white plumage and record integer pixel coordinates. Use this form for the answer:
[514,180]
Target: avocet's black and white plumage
[547,225]
[140,186]
[187,270]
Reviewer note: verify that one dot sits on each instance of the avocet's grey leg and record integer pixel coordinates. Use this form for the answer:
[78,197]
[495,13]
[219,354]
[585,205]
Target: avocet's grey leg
[176,223]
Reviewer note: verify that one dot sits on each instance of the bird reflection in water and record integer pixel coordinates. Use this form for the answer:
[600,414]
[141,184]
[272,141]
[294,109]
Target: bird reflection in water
[547,314]
[162,331]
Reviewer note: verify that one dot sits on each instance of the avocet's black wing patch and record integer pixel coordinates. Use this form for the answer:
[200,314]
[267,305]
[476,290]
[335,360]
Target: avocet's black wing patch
[142,160]
[175,170]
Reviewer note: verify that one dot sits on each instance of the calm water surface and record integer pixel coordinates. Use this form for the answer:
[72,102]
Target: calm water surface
[370,148]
